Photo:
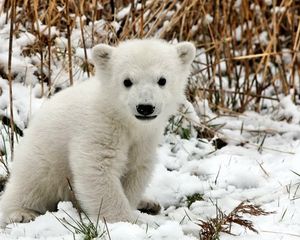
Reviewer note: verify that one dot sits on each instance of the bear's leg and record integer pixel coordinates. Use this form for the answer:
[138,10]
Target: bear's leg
[136,179]
[21,215]
[18,205]
[97,185]
[28,194]
[134,184]
[99,192]
[23,203]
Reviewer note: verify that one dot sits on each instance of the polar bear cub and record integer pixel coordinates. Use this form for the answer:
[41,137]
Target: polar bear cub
[100,135]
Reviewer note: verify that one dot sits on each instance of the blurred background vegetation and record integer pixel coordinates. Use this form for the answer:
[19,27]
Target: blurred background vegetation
[248,51]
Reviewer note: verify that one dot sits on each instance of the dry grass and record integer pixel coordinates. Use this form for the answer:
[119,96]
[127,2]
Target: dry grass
[222,223]
[244,47]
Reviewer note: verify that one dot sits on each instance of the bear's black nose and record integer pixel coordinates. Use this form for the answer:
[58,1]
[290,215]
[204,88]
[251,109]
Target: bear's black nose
[145,109]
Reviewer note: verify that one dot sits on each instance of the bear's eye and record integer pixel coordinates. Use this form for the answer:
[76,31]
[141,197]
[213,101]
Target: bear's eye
[162,81]
[127,83]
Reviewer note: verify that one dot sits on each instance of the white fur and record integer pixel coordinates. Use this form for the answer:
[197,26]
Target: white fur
[89,134]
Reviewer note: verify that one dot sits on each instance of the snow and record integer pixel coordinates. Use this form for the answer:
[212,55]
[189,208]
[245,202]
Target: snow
[268,2]
[124,12]
[241,29]
[278,10]
[208,19]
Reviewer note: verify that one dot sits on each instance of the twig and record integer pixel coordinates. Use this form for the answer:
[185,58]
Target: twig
[12,124]
[105,223]
[74,199]
[69,43]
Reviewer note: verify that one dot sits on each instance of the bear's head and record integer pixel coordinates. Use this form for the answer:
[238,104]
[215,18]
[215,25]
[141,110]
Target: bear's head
[144,79]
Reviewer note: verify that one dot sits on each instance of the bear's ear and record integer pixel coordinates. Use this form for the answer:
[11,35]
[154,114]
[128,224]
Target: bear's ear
[101,54]
[186,52]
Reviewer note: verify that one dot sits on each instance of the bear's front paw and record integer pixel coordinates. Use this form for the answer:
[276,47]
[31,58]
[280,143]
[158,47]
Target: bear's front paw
[149,207]
[21,216]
